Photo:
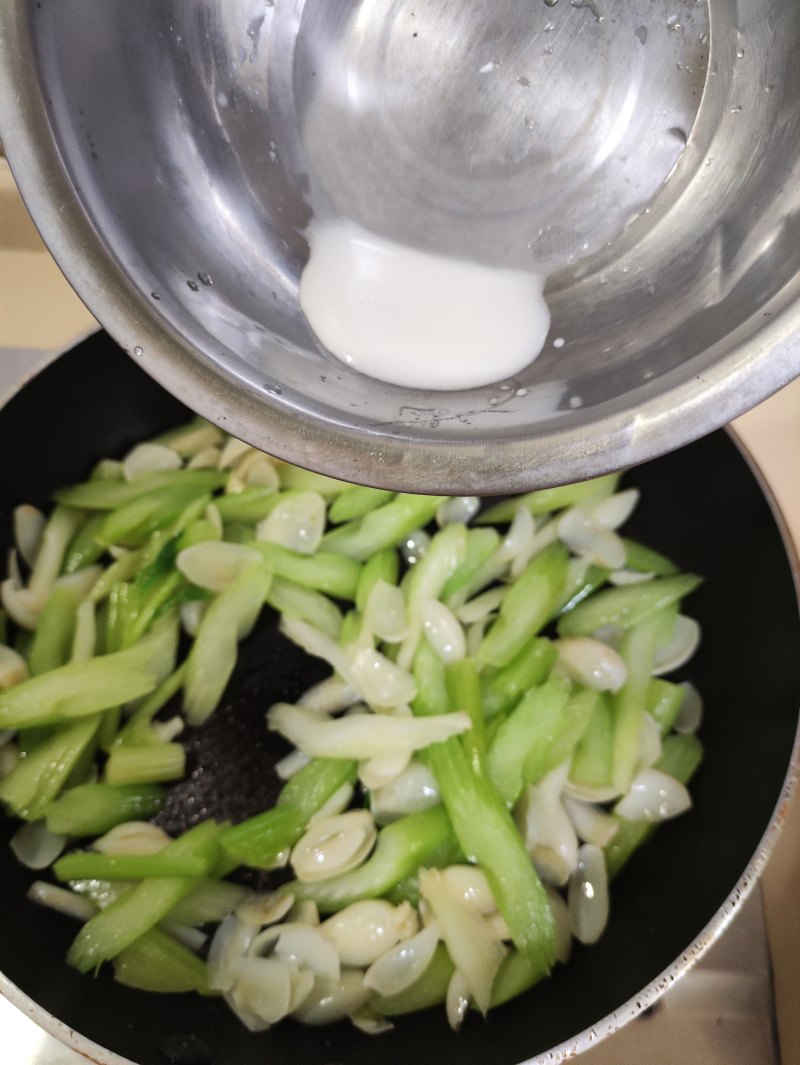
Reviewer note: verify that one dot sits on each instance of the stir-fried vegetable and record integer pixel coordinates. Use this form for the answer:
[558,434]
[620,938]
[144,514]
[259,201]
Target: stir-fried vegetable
[494,742]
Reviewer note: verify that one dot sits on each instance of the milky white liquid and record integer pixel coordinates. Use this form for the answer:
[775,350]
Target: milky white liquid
[418,319]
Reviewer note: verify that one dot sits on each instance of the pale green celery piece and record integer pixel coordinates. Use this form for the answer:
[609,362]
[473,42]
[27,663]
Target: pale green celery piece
[131,524]
[581,587]
[39,777]
[250,506]
[464,693]
[91,865]
[93,809]
[355,502]
[110,495]
[158,962]
[574,721]
[143,906]
[152,764]
[83,549]
[386,526]
[402,848]
[317,609]
[384,565]
[80,689]
[308,481]
[481,545]
[446,552]
[547,500]
[528,730]
[429,989]
[664,699]
[626,605]
[107,470]
[591,764]
[209,903]
[352,627]
[138,730]
[504,687]
[51,646]
[637,649]
[646,560]
[188,440]
[332,574]
[60,528]
[120,571]
[527,606]
[229,618]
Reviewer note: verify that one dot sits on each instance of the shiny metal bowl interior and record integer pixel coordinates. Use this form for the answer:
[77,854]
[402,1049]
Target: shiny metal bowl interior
[646,152]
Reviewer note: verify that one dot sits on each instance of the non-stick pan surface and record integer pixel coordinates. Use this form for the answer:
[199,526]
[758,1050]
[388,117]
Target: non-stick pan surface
[702,506]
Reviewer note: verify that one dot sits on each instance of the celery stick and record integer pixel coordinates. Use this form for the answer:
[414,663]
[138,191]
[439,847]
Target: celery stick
[93,809]
[198,531]
[79,689]
[591,760]
[663,702]
[528,730]
[515,976]
[582,587]
[464,693]
[84,550]
[131,524]
[637,649]
[209,903]
[402,848]
[158,962]
[248,507]
[355,502]
[149,606]
[312,786]
[352,627]
[503,688]
[309,481]
[59,530]
[89,865]
[627,605]
[213,655]
[317,609]
[386,526]
[107,470]
[261,841]
[39,777]
[680,757]
[142,906]
[488,836]
[573,723]
[137,730]
[118,572]
[530,601]
[382,566]
[51,646]
[151,764]
[332,574]
[646,560]
[191,438]
[109,495]
[481,545]
[429,989]
[546,500]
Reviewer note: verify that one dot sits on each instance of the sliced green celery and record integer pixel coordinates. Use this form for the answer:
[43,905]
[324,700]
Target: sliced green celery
[110,495]
[294,600]
[646,560]
[229,618]
[152,764]
[158,962]
[84,550]
[38,778]
[402,848]
[356,501]
[626,605]
[93,809]
[386,526]
[143,906]
[546,500]
[51,646]
[530,666]
[528,604]
[332,574]
[382,566]
[90,865]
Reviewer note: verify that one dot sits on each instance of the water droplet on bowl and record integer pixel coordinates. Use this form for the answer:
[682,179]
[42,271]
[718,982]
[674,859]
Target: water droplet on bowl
[137,351]
[205,279]
[193,285]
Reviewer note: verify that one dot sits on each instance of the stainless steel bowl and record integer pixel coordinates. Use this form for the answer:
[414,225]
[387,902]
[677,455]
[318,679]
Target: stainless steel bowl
[647,152]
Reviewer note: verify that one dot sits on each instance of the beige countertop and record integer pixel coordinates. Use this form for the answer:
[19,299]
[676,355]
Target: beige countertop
[39,311]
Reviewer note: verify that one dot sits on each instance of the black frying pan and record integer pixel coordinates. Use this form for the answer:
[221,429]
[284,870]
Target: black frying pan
[702,506]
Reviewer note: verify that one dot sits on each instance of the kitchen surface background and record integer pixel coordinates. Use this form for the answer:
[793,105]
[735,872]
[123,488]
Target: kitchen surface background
[723,1010]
